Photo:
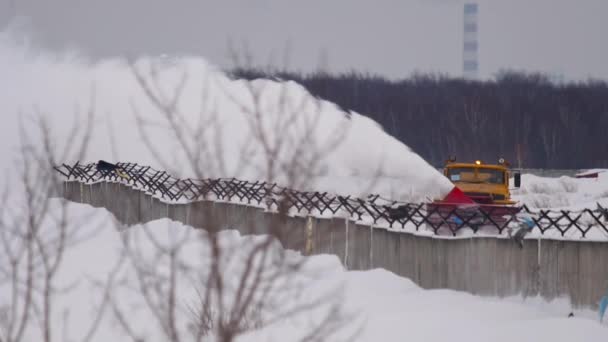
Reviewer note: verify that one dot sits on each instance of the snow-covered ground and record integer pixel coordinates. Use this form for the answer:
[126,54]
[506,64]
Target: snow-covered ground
[379,305]
[563,192]
[395,309]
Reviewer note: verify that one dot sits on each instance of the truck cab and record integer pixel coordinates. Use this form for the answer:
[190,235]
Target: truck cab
[483,183]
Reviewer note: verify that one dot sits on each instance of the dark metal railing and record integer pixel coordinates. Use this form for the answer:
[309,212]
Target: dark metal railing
[395,214]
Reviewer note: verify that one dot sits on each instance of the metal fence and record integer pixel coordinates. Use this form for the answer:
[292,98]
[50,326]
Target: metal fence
[440,220]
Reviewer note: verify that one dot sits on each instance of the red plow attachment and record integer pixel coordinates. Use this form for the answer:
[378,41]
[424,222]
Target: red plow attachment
[458,210]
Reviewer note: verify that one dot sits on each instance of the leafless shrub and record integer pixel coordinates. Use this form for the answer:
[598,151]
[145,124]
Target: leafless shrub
[569,186]
[539,188]
[264,288]
[602,195]
[251,285]
[37,231]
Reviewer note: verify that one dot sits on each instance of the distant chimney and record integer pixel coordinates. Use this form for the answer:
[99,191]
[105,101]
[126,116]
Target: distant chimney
[470,44]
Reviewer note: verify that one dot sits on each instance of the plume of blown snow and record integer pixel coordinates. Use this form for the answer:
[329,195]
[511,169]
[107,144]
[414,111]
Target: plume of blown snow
[231,125]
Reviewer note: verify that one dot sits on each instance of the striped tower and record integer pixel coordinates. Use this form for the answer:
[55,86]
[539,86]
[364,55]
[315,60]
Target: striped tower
[470,45]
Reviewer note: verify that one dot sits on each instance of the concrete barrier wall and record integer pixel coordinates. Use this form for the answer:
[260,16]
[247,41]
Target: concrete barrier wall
[479,265]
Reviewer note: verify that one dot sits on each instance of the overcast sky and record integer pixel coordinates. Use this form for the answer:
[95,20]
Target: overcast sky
[390,37]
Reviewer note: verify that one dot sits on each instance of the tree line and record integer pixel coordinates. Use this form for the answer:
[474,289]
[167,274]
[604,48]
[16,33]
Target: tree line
[522,117]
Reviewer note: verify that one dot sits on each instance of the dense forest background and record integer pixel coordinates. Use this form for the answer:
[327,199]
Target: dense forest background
[521,117]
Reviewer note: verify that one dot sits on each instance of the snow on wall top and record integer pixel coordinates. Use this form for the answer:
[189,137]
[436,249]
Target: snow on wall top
[262,130]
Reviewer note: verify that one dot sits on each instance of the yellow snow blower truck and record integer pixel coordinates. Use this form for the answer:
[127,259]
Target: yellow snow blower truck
[483,183]
[480,190]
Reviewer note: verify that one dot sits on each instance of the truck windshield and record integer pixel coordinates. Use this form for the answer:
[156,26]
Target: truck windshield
[468,175]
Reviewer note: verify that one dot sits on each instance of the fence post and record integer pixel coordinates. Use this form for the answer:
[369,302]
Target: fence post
[346,246]
[371,245]
[309,236]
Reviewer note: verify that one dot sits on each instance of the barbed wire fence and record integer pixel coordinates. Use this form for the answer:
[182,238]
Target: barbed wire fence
[381,211]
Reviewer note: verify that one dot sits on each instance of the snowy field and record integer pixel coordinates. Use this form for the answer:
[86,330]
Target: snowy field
[379,305]
[356,157]
[563,192]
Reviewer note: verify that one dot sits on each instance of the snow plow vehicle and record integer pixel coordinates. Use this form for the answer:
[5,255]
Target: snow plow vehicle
[480,196]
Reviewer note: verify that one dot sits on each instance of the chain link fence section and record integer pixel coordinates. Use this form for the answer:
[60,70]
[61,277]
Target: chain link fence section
[372,209]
